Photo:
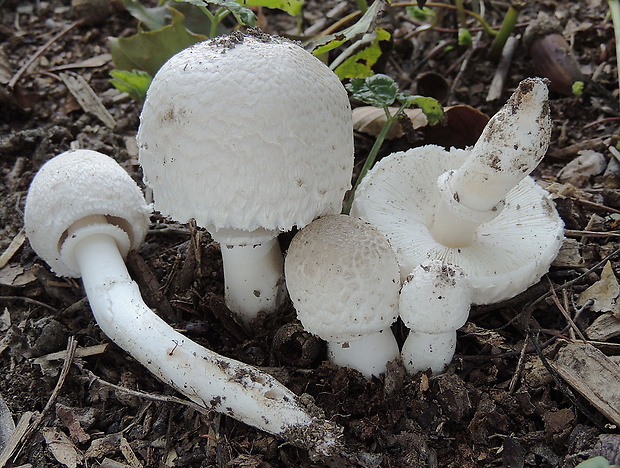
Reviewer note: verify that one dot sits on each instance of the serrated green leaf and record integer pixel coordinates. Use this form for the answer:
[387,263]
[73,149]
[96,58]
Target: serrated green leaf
[376,90]
[360,64]
[292,7]
[242,14]
[430,106]
[366,23]
[135,83]
[149,50]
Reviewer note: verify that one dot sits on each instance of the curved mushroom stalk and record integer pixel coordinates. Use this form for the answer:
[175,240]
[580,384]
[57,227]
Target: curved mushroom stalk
[434,303]
[512,144]
[343,279]
[91,245]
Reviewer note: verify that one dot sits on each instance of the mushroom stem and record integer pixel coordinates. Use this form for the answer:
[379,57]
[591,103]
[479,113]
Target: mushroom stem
[512,144]
[423,351]
[212,381]
[368,354]
[254,278]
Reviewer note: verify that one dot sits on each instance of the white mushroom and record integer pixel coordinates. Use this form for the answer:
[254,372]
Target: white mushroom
[343,279]
[83,213]
[506,236]
[434,303]
[251,135]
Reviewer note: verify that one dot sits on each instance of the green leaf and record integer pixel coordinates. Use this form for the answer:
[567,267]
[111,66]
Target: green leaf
[149,50]
[366,23]
[577,88]
[135,83]
[420,13]
[376,90]
[596,462]
[360,64]
[292,7]
[242,14]
[432,109]
[151,18]
[464,37]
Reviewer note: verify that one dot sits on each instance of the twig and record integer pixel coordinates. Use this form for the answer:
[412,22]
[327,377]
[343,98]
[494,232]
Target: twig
[29,301]
[24,68]
[34,425]
[147,396]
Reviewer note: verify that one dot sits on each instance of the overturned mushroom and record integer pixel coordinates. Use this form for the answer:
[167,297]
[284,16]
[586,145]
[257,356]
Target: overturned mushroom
[343,279]
[83,214]
[475,209]
[251,135]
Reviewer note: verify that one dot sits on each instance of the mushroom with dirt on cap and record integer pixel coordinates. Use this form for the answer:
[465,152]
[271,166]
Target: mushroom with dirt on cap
[83,214]
[250,135]
[476,208]
[434,303]
[343,280]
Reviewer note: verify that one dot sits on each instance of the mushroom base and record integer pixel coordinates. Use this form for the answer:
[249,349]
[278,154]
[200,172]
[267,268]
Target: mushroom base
[368,354]
[423,351]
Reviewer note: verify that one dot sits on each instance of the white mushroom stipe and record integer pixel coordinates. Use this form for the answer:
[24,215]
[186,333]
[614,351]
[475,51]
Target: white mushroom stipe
[343,279]
[511,246]
[512,144]
[210,380]
[254,281]
[250,135]
[434,303]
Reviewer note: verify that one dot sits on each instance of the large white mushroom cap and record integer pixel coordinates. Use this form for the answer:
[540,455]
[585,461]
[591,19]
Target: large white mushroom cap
[246,132]
[508,254]
[343,278]
[82,183]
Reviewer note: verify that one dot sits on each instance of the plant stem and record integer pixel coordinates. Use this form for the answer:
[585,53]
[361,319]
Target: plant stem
[372,155]
[512,15]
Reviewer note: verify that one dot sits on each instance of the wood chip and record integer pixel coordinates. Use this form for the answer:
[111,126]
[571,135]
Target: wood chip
[87,98]
[593,375]
[64,451]
[13,247]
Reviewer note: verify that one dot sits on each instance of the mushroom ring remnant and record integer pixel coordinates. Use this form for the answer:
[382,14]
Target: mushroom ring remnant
[250,135]
[508,254]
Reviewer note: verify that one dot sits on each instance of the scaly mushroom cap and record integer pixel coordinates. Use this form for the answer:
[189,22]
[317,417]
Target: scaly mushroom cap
[435,298]
[343,278]
[508,254]
[246,132]
[75,185]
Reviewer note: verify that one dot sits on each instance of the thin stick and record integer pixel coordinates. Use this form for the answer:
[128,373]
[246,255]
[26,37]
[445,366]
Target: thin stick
[24,68]
[34,425]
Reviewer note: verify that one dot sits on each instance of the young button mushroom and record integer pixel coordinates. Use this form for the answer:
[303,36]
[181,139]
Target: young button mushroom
[476,208]
[251,135]
[434,303]
[83,213]
[343,279]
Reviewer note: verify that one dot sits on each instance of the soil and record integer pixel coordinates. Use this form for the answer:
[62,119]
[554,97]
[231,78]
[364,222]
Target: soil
[501,401]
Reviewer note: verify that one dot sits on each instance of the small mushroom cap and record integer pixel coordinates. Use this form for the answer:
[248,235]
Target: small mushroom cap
[75,185]
[508,254]
[343,278]
[247,132]
[435,298]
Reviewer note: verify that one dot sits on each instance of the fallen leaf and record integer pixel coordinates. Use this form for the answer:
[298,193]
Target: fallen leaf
[604,293]
[63,450]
